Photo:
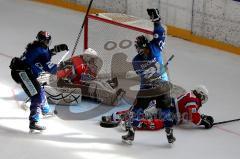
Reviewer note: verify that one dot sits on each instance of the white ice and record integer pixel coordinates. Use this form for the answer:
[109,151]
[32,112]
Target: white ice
[193,64]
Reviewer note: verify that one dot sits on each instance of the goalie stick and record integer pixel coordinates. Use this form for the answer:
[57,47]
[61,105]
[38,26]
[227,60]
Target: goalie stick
[63,57]
[226,121]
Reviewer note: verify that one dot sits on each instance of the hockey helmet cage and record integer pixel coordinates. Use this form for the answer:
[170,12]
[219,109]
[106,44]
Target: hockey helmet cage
[202,93]
[91,54]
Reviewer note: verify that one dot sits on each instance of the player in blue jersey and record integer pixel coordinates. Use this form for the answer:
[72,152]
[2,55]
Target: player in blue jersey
[26,69]
[148,64]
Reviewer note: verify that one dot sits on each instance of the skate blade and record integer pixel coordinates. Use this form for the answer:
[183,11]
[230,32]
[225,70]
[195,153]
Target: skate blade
[34,131]
[171,142]
[24,107]
[49,116]
[128,142]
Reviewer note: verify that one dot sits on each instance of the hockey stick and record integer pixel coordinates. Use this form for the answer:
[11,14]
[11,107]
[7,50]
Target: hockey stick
[81,29]
[170,59]
[163,70]
[227,121]
[166,65]
[63,57]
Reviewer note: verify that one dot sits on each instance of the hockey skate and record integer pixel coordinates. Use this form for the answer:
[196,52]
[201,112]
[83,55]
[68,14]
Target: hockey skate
[170,137]
[35,127]
[129,137]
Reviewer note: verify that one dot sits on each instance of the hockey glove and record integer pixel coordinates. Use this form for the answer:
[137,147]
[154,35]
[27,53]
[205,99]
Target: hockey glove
[154,14]
[209,118]
[207,121]
[59,48]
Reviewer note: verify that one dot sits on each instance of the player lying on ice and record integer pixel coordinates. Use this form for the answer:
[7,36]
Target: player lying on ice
[82,71]
[185,108]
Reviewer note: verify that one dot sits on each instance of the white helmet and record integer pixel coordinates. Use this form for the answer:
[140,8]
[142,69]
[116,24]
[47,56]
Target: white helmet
[202,91]
[89,54]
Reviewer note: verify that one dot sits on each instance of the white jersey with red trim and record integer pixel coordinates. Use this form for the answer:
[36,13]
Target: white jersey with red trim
[188,106]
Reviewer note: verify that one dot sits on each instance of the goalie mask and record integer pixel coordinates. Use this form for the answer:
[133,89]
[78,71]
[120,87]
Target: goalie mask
[141,43]
[90,56]
[202,93]
[44,37]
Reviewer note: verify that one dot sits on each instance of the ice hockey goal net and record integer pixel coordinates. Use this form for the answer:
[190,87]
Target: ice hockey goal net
[112,35]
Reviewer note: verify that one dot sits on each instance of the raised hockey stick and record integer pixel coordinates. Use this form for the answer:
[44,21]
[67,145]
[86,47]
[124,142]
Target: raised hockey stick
[166,65]
[227,121]
[81,29]
[63,57]
[170,59]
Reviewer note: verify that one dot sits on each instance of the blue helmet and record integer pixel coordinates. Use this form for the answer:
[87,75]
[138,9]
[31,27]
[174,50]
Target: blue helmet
[141,43]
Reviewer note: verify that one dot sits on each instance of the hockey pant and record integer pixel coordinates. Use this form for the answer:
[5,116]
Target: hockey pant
[35,92]
[163,102]
[38,105]
[22,75]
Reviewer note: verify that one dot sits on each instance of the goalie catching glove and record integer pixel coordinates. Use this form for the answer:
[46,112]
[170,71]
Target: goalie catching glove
[154,14]
[59,48]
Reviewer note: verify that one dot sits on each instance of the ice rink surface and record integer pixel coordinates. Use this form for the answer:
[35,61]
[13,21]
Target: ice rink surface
[76,138]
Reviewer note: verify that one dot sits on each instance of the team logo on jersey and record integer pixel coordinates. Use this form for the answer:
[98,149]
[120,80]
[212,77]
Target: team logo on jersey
[147,63]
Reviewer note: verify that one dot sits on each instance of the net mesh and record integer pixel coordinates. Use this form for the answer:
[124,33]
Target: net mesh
[112,35]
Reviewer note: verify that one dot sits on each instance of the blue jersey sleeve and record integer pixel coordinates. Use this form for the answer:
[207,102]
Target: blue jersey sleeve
[39,59]
[158,36]
[45,60]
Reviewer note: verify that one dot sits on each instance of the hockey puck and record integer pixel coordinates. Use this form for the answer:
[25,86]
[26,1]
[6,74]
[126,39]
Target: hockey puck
[55,112]
[108,125]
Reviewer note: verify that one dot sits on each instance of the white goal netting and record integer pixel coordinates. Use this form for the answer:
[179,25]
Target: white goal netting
[112,35]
